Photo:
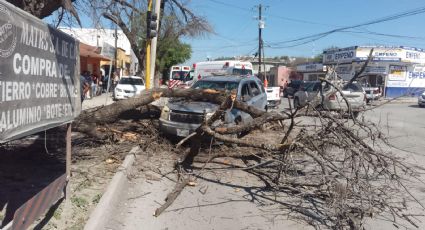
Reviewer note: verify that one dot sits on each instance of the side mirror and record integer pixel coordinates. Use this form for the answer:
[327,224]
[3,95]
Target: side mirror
[246,98]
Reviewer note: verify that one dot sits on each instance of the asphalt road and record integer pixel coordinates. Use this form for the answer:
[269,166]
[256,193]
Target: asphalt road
[227,205]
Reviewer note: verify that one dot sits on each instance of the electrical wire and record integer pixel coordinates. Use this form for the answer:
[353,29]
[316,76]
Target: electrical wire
[311,38]
[272,15]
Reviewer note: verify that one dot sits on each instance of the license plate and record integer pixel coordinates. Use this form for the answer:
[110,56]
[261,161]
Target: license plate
[182,132]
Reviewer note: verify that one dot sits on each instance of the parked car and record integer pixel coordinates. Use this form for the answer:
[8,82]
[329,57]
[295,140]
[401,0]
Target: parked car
[292,88]
[128,86]
[421,100]
[353,92]
[306,93]
[355,95]
[181,117]
[372,92]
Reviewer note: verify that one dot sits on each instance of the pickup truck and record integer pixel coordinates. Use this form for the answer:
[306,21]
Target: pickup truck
[273,97]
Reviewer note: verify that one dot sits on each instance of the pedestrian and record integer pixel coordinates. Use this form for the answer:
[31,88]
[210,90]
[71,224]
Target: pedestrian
[94,84]
[84,87]
[89,82]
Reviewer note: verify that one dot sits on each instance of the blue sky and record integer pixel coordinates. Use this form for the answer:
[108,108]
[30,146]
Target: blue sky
[236,29]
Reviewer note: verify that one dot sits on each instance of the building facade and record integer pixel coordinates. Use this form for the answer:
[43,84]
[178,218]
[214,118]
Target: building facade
[398,71]
[126,62]
[311,71]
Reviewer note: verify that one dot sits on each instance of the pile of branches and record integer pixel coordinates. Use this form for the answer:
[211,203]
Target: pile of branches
[337,170]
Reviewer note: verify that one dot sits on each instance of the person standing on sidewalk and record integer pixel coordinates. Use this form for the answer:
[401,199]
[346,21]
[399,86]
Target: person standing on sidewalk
[94,84]
[84,88]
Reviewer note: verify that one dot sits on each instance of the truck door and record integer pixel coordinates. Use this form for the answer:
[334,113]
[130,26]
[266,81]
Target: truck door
[259,99]
[247,97]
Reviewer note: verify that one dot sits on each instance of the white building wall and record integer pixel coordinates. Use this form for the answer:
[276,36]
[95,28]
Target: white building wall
[98,37]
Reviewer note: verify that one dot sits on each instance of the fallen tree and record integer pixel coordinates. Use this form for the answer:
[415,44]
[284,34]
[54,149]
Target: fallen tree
[336,171]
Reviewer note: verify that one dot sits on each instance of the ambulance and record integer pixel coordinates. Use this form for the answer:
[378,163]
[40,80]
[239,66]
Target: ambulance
[180,76]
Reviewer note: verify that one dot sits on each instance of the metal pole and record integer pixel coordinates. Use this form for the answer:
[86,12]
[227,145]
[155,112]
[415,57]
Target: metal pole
[259,38]
[68,158]
[154,43]
[148,55]
[116,49]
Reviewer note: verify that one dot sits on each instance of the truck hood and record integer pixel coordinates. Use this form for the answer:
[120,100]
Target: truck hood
[192,106]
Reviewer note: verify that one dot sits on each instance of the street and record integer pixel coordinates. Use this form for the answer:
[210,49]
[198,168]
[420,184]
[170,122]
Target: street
[234,200]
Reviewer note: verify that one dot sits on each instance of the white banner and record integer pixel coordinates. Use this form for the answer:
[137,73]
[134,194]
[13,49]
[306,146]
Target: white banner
[334,56]
[414,79]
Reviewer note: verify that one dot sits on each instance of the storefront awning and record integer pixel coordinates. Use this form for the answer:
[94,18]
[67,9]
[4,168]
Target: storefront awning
[91,52]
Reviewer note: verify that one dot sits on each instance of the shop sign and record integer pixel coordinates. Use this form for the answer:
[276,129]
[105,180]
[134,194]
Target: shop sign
[414,56]
[310,67]
[108,50]
[397,73]
[380,54]
[414,78]
[334,56]
[39,75]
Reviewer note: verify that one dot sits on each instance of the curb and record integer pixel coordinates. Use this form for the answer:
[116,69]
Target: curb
[108,201]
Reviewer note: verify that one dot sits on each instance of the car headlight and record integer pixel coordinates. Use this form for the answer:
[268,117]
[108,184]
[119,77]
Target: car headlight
[208,115]
[119,90]
[165,113]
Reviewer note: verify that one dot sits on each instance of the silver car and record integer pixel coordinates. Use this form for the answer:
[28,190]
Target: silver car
[355,95]
[181,117]
[353,92]
[421,100]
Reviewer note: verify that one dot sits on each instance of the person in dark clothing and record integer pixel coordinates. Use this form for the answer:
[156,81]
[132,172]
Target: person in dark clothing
[84,87]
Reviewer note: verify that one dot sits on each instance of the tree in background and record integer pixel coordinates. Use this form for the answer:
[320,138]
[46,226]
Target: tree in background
[176,21]
[170,49]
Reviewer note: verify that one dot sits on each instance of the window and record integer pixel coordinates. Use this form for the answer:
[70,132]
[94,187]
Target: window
[131,81]
[218,85]
[245,90]
[242,72]
[353,87]
[181,75]
[254,89]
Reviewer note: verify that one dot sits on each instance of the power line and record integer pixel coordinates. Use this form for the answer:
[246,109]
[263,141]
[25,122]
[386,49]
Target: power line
[271,15]
[314,37]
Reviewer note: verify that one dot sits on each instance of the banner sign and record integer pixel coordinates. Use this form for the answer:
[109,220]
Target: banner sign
[397,73]
[310,67]
[108,50]
[39,75]
[335,56]
[407,78]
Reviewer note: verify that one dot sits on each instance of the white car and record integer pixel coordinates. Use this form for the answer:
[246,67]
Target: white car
[128,86]
[355,95]
[421,100]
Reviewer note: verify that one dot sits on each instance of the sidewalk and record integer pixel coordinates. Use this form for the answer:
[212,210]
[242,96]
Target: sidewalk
[405,99]
[104,99]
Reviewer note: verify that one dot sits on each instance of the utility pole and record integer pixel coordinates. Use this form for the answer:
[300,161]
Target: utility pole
[116,49]
[148,52]
[154,42]
[259,38]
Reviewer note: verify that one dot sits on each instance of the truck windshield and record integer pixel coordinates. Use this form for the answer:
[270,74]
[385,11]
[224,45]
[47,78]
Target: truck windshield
[242,72]
[181,75]
[218,85]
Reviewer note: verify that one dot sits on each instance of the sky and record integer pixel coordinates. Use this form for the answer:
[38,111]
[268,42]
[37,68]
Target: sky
[235,26]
